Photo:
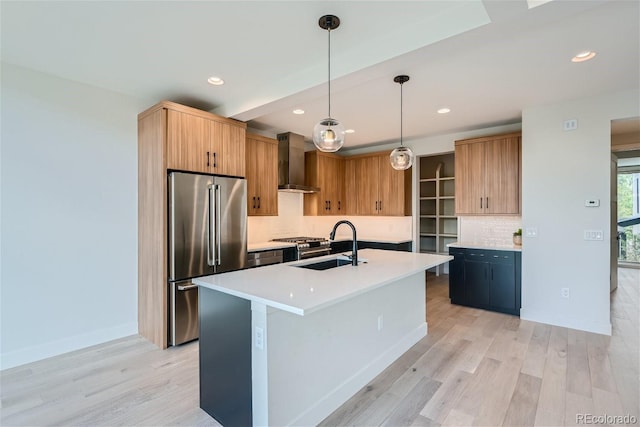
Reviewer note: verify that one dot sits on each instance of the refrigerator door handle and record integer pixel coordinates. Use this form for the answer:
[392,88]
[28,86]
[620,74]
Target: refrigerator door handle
[211,227]
[217,255]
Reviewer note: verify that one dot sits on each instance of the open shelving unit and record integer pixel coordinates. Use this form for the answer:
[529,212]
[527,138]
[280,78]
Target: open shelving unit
[438,223]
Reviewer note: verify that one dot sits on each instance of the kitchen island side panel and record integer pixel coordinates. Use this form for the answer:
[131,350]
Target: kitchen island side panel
[225,357]
[316,362]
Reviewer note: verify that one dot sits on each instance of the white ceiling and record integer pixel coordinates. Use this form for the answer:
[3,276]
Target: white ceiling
[486,60]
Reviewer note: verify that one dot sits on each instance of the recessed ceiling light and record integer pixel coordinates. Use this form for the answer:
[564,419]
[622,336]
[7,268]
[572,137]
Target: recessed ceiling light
[444,110]
[583,56]
[216,81]
[349,131]
[298,111]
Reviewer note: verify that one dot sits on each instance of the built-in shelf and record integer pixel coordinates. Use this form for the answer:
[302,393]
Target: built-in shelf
[438,223]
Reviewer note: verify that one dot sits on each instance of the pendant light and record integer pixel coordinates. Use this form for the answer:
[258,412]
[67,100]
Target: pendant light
[328,134]
[402,157]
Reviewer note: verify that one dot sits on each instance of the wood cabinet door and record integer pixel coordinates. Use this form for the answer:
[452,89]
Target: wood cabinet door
[367,171]
[391,190]
[188,139]
[228,149]
[268,179]
[469,183]
[262,176]
[254,154]
[336,200]
[502,176]
[350,191]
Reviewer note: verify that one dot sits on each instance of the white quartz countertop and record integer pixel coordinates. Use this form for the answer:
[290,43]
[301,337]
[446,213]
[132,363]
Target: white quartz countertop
[266,246]
[302,291]
[485,245]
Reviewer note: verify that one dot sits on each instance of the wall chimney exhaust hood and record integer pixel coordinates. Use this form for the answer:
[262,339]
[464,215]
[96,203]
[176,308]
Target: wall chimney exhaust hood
[291,164]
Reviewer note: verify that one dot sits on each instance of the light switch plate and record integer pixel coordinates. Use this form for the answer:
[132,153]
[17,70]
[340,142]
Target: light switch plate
[593,235]
[592,203]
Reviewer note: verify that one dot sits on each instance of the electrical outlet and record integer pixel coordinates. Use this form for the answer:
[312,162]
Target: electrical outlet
[380,322]
[564,292]
[571,124]
[259,338]
[531,232]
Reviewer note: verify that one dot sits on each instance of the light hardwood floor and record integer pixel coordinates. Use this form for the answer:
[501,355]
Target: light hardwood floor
[474,368]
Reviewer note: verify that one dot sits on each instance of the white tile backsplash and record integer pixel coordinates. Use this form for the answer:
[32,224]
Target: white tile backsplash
[488,230]
[292,222]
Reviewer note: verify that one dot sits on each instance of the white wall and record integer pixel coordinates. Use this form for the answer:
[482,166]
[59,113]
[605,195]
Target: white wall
[69,216]
[560,170]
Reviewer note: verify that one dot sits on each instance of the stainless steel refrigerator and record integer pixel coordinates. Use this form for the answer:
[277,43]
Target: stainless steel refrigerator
[207,235]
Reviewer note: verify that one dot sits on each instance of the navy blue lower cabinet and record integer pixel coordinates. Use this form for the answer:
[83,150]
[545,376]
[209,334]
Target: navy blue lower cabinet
[485,279]
[457,291]
[476,278]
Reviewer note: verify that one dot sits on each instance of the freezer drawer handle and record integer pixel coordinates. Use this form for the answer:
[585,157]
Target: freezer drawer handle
[186,288]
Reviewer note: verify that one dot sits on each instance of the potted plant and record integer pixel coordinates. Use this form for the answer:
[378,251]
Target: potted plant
[517,237]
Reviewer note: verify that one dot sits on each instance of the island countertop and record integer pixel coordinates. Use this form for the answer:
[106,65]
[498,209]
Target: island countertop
[302,291]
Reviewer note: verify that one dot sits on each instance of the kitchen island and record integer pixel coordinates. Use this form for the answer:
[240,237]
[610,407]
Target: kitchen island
[286,345]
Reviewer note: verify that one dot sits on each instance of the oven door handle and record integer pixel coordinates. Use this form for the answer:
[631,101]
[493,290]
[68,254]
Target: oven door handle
[317,251]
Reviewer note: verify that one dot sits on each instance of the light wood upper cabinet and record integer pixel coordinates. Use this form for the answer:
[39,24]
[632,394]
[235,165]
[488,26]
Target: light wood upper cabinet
[378,188]
[326,171]
[228,148]
[202,142]
[188,142]
[488,175]
[262,175]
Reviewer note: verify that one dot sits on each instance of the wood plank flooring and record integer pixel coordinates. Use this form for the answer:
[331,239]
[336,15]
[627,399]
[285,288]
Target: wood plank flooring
[474,368]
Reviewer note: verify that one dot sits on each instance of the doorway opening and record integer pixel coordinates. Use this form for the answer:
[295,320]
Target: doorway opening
[625,148]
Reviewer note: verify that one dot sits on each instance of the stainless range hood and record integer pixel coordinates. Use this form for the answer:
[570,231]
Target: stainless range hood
[291,164]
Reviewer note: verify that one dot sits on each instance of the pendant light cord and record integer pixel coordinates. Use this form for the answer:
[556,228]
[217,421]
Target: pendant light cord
[401,114]
[329,71]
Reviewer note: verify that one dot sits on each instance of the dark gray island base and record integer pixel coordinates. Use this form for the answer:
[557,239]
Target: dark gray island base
[225,357]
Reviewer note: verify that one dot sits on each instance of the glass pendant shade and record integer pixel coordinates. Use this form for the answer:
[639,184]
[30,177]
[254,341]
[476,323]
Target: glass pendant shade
[328,135]
[401,158]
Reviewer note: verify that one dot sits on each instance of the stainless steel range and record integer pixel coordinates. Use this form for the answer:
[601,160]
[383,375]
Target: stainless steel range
[308,247]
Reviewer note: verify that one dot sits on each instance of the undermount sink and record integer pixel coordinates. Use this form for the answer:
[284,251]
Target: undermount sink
[325,265]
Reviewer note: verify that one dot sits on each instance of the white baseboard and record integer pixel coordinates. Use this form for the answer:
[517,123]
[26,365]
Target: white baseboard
[587,325]
[332,400]
[54,348]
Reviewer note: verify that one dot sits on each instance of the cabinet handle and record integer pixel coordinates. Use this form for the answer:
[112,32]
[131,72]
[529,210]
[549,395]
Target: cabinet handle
[487,203]
[338,204]
[480,202]
[214,160]
[376,206]
[329,204]
[258,202]
[380,204]
[207,159]
[254,202]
